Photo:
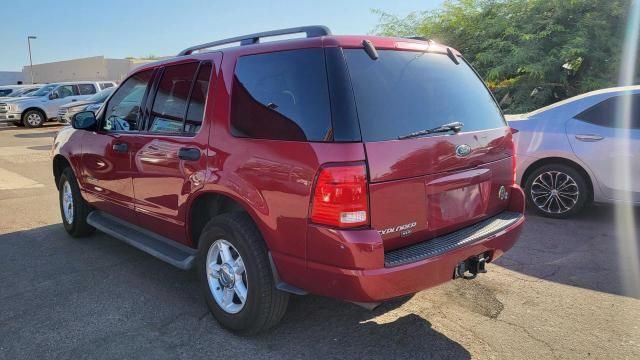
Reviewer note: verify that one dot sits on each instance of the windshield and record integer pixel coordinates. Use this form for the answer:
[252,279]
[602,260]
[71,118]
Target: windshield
[45,90]
[22,92]
[403,92]
[101,96]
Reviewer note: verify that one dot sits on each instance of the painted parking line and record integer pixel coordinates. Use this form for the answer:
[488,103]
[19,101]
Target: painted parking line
[12,181]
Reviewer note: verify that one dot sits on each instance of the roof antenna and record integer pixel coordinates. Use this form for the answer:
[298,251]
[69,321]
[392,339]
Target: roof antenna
[370,49]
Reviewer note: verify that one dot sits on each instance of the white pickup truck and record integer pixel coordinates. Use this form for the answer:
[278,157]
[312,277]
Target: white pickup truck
[42,105]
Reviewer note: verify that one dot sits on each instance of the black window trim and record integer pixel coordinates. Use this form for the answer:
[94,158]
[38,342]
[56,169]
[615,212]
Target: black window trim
[156,84]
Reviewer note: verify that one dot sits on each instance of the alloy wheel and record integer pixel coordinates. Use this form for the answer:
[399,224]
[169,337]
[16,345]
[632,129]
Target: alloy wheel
[554,192]
[34,119]
[226,276]
[67,202]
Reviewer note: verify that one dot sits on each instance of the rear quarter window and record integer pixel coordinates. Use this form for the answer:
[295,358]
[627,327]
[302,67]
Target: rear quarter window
[405,91]
[609,113]
[282,96]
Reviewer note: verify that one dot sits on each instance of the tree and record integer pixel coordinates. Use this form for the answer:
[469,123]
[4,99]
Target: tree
[530,52]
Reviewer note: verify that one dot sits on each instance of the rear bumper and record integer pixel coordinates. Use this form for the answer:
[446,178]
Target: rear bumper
[386,283]
[383,282]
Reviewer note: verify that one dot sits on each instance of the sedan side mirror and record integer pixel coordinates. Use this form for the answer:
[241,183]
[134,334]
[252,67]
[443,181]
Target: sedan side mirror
[53,96]
[84,120]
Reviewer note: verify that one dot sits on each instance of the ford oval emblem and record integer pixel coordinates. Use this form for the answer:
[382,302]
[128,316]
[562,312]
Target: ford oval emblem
[463,150]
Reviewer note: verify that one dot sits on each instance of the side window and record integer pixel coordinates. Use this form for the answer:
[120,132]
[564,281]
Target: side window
[63,91]
[86,89]
[282,96]
[105,85]
[123,110]
[170,103]
[195,112]
[608,112]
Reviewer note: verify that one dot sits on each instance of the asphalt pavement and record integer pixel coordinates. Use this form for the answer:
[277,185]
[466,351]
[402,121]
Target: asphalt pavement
[557,294]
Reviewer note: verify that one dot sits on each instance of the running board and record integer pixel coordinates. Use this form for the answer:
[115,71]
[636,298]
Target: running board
[165,249]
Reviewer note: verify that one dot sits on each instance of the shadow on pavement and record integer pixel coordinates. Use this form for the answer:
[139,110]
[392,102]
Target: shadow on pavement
[100,298]
[581,251]
[38,134]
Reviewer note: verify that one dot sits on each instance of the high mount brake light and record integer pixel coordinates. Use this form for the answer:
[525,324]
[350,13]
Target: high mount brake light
[341,197]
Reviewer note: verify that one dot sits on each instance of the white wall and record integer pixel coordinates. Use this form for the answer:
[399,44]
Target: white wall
[92,68]
[10,77]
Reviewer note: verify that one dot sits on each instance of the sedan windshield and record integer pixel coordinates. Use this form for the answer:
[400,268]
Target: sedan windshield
[45,90]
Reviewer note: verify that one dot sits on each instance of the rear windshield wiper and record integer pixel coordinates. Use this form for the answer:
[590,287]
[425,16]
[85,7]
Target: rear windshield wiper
[454,126]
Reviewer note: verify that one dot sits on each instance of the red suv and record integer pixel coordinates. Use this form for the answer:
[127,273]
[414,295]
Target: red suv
[357,167]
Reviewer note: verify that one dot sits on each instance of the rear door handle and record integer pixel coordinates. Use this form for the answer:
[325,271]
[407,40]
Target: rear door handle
[589,137]
[120,147]
[189,154]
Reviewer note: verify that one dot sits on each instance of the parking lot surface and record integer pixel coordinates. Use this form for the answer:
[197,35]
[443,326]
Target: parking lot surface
[557,294]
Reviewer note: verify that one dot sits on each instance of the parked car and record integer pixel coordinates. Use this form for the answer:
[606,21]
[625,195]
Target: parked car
[569,153]
[92,103]
[23,91]
[357,167]
[7,90]
[43,104]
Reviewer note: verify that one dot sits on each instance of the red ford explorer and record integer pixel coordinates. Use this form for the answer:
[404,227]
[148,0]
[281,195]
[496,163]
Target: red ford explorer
[357,167]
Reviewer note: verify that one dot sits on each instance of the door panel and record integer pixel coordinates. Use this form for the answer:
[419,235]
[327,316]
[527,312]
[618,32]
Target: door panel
[612,156]
[169,160]
[107,173]
[163,182]
[106,156]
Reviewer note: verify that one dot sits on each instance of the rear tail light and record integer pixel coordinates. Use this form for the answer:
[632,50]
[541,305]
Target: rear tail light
[340,197]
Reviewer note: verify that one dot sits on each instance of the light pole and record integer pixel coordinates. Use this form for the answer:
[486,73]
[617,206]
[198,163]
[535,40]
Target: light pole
[29,38]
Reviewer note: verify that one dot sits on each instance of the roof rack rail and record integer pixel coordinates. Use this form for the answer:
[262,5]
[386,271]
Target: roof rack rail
[418,38]
[311,31]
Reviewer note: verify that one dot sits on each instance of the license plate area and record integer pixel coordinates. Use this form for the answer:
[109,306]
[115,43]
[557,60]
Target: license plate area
[471,267]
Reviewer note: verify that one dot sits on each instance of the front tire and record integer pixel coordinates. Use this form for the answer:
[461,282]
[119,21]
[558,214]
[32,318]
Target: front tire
[73,208]
[557,191]
[235,274]
[33,118]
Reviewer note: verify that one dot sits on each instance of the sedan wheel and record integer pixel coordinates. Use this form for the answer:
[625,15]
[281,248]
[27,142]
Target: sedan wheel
[557,191]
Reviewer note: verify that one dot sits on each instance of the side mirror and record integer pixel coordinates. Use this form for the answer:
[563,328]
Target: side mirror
[53,96]
[84,120]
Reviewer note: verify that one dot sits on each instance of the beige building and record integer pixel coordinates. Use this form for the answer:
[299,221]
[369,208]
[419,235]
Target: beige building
[92,68]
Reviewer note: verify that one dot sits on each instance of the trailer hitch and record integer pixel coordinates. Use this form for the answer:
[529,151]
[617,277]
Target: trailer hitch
[473,266]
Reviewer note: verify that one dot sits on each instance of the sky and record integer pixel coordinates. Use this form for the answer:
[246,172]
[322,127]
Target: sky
[69,29]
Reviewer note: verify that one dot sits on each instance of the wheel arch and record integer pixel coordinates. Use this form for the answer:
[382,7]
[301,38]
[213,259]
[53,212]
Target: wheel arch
[209,204]
[559,160]
[59,164]
[25,111]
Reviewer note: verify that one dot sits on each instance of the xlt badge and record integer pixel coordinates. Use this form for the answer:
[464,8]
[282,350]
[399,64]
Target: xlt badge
[404,229]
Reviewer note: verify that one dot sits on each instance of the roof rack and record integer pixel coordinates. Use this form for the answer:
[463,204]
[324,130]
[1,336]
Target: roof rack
[311,31]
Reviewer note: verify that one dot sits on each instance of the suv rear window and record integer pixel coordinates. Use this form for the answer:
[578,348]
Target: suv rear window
[282,96]
[405,91]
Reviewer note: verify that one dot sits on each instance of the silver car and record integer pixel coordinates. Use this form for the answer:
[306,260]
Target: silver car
[42,105]
[580,150]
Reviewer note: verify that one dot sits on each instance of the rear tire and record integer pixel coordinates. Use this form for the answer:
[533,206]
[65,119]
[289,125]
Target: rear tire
[557,191]
[33,118]
[263,304]
[73,208]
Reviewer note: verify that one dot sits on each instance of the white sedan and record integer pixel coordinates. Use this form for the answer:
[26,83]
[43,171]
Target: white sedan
[580,150]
